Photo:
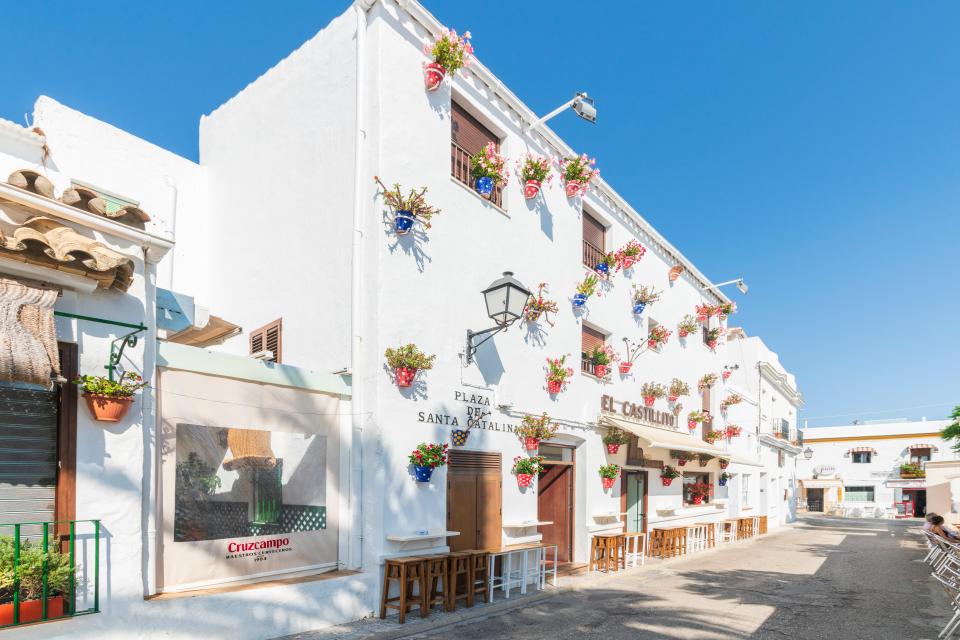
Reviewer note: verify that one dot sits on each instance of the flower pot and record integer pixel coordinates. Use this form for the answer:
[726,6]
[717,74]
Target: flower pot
[672,398]
[625,367]
[697,499]
[608,482]
[666,481]
[681,462]
[612,449]
[684,333]
[727,374]
[554,387]
[649,401]
[638,307]
[603,268]
[691,424]
[484,186]
[675,272]
[579,299]
[433,75]
[712,344]
[423,473]
[722,482]
[459,437]
[600,370]
[533,315]
[701,317]
[32,610]
[531,188]
[108,408]
[724,464]
[524,479]
[532,444]
[573,187]
[627,262]
[403,222]
[404,376]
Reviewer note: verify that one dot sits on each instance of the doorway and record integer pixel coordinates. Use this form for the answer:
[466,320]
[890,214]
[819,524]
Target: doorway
[815,500]
[474,495]
[634,502]
[555,499]
[916,500]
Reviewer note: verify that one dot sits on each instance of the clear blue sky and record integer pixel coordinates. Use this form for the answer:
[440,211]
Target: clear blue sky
[812,147]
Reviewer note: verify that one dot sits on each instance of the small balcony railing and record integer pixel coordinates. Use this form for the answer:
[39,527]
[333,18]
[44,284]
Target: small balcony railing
[592,254]
[912,471]
[460,169]
[55,568]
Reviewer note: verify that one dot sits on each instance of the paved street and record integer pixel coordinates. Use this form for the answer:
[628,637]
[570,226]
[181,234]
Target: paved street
[824,578]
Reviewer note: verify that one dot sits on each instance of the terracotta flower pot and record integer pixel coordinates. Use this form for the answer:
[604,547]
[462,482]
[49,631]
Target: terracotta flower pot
[675,272]
[554,387]
[627,262]
[532,444]
[652,344]
[649,401]
[32,610]
[612,449]
[608,482]
[666,481]
[404,376]
[684,333]
[682,462]
[573,188]
[673,398]
[433,75]
[531,188]
[600,370]
[691,424]
[712,344]
[524,479]
[625,367]
[108,408]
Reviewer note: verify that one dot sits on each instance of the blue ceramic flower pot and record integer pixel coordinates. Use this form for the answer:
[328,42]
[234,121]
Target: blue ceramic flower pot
[638,307]
[579,299]
[603,268]
[484,186]
[722,483]
[403,222]
[423,473]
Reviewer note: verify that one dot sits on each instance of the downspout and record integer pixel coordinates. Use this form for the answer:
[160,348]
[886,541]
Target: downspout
[148,420]
[174,197]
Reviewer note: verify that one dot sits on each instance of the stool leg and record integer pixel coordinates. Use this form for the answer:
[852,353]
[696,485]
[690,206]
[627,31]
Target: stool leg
[385,593]
[424,593]
[403,593]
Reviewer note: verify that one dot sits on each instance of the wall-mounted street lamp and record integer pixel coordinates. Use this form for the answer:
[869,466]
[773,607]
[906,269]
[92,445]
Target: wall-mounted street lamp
[808,453]
[582,104]
[506,298]
[739,282]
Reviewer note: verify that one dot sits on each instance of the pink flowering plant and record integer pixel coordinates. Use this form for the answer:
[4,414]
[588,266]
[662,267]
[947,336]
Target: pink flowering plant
[653,390]
[725,309]
[578,169]
[679,388]
[688,326]
[539,305]
[629,254]
[609,471]
[490,164]
[531,465]
[658,336]
[534,167]
[603,355]
[538,427]
[705,311]
[713,436]
[712,336]
[450,50]
[707,381]
[429,455]
[558,373]
[733,431]
[729,401]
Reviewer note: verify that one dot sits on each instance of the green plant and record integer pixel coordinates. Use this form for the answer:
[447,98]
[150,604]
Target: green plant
[603,355]
[536,427]
[127,385]
[712,335]
[725,476]
[697,416]
[429,455]
[704,458]
[529,465]
[679,388]
[688,325]
[645,294]
[414,202]
[682,455]
[669,472]
[911,470]
[615,436]
[31,570]
[408,357]
[196,478]
[450,50]
[588,285]
[652,390]
[609,471]
[707,381]
[713,436]
[952,430]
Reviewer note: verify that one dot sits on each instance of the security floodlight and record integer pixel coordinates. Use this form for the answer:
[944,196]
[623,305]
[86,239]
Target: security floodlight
[742,286]
[506,299]
[582,104]
[739,282]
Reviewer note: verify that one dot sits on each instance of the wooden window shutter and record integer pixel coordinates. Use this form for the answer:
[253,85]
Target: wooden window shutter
[707,424]
[468,132]
[268,338]
[591,338]
[593,231]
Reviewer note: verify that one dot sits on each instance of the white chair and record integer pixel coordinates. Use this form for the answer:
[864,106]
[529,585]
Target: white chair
[728,531]
[696,538]
[636,549]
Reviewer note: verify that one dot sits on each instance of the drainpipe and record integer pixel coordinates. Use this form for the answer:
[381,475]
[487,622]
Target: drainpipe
[174,197]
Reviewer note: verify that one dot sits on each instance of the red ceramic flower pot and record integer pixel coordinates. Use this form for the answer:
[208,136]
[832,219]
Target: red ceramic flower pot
[433,75]
[532,444]
[32,610]
[524,479]
[684,333]
[404,376]
[554,386]
[600,370]
[652,344]
[712,344]
[691,424]
[531,188]
[726,374]
[673,398]
[625,367]
[666,481]
[697,499]
[649,401]
[107,408]
[573,187]
[613,448]
[702,317]
[608,482]
[681,462]
[627,262]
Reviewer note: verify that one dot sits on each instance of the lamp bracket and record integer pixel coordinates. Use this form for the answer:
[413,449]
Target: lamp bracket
[472,347]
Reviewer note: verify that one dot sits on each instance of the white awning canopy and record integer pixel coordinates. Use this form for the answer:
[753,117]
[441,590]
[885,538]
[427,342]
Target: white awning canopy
[824,483]
[666,439]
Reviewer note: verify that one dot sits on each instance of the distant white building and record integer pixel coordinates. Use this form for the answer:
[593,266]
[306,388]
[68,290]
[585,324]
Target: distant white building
[873,469]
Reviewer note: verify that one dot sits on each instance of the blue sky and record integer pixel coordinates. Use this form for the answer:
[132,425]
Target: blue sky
[811,147]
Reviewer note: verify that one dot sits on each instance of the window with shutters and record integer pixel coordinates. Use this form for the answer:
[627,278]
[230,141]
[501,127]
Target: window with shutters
[594,245]
[705,407]
[468,137]
[589,338]
[268,338]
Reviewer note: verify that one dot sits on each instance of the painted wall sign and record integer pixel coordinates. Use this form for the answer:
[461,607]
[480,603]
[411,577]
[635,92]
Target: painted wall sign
[638,412]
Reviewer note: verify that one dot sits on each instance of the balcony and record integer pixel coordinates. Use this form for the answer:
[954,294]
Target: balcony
[47,582]
[912,471]
[460,169]
[592,255]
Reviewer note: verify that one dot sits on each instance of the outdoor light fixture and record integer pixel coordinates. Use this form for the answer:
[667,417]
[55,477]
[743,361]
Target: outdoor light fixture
[582,104]
[808,453]
[739,282]
[506,299]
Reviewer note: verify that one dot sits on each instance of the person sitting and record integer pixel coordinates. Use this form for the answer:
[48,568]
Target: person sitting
[928,525]
[945,531]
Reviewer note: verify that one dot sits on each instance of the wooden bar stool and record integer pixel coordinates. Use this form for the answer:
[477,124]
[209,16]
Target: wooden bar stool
[458,583]
[408,573]
[597,553]
[435,584]
[479,578]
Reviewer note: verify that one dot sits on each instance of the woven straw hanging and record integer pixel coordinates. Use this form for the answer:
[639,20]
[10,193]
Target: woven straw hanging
[250,449]
[28,334]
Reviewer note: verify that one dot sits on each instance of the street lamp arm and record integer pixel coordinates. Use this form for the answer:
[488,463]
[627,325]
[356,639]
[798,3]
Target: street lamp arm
[566,105]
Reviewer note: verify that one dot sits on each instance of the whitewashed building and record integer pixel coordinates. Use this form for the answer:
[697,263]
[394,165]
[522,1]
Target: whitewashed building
[876,468]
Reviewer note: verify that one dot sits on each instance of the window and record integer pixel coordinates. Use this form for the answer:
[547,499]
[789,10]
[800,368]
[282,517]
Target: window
[467,138]
[858,494]
[594,247]
[744,491]
[268,338]
[861,457]
[919,456]
[705,407]
[589,338]
[690,478]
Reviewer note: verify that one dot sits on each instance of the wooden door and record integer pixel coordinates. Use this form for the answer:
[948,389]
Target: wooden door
[474,490]
[555,504]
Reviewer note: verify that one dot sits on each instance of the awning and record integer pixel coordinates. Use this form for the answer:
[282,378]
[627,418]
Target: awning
[924,445]
[863,450]
[666,439]
[749,462]
[216,331]
[825,483]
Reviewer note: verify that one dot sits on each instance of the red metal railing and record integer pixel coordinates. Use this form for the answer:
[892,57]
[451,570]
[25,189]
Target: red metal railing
[460,169]
[592,254]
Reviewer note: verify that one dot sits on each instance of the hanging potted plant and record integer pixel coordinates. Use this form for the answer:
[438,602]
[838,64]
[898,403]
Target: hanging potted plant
[577,172]
[557,374]
[682,457]
[406,361]
[608,474]
[694,418]
[585,289]
[450,53]
[705,312]
[427,457]
[532,171]
[726,374]
[729,401]
[642,296]
[675,272]
[733,431]
[704,458]
[526,468]
[724,477]
[707,381]
[699,491]
[658,336]
[35,570]
[533,429]
[687,326]
[677,388]
[677,408]
[713,436]
[725,309]
[489,170]
[724,463]
[538,305]
[633,350]
[407,209]
[629,255]
[109,400]
[667,474]
[600,358]
[613,438]
[712,337]
[606,263]
[651,392]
